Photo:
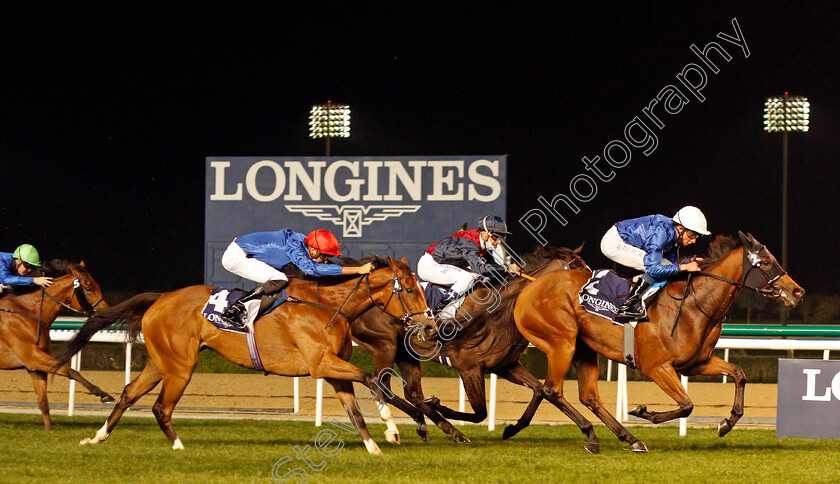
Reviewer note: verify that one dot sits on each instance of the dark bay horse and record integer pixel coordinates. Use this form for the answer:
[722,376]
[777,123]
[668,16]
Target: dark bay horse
[293,340]
[487,342]
[677,339]
[25,320]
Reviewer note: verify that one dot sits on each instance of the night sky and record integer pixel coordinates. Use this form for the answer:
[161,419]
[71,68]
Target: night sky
[107,115]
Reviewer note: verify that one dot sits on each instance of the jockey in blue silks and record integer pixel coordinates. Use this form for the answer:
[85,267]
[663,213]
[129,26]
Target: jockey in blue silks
[16,267]
[260,256]
[651,244]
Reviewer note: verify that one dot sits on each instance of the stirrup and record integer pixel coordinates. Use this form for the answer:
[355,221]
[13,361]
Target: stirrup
[233,315]
[441,305]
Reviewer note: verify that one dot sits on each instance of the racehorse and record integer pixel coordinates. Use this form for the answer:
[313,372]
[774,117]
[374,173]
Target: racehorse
[295,339]
[685,322]
[486,342]
[25,320]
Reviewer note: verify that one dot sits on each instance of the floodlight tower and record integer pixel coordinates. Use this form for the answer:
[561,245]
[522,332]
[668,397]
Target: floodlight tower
[329,121]
[786,113]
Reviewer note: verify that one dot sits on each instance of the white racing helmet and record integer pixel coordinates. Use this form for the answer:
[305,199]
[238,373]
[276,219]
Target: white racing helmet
[692,219]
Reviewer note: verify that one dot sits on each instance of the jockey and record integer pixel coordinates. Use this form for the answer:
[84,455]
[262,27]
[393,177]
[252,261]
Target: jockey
[259,257]
[651,244]
[15,268]
[458,260]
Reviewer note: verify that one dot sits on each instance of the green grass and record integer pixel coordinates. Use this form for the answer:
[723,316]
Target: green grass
[246,450]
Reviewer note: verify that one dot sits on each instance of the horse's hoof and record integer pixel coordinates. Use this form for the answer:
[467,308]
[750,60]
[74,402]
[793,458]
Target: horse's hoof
[724,428]
[423,433]
[86,441]
[637,412]
[107,399]
[510,431]
[433,401]
[460,438]
[392,436]
[638,446]
[592,447]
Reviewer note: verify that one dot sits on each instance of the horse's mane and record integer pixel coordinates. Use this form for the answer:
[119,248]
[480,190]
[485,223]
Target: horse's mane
[55,268]
[499,322]
[294,272]
[543,255]
[719,248]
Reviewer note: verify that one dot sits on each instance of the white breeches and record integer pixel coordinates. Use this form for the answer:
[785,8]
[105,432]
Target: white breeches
[237,261]
[620,251]
[447,275]
[444,274]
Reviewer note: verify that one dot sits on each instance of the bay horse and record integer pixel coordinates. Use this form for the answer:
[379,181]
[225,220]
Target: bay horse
[25,320]
[685,322]
[309,338]
[487,342]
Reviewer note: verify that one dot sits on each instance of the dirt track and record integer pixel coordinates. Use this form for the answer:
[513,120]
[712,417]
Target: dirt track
[257,396]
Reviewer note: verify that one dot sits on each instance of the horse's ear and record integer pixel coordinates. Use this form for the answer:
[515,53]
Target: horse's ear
[82,265]
[404,261]
[746,240]
[579,249]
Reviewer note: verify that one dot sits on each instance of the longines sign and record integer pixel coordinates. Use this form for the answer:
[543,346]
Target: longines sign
[393,206]
[808,398]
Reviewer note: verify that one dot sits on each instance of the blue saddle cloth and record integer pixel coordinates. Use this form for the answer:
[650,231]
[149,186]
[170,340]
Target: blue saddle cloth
[604,293]
[221,298]
[434,294]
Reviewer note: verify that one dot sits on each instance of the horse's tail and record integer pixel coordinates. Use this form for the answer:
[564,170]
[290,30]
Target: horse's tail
[130,312]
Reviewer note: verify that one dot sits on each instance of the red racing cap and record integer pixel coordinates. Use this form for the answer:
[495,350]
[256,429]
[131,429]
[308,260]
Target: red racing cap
[324,241]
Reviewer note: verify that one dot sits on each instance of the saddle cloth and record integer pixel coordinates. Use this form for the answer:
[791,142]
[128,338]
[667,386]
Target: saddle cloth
[604,293]
[221,298]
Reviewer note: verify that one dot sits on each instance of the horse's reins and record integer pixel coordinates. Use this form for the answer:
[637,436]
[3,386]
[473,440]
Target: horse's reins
[397,289]
[39,319]
[775,292]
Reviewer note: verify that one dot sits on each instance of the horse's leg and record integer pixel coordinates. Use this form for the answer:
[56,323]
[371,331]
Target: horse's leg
[331,366]
[383,358]
[717,366]
[412,389]
[474,388]
[410,370]
[171,390]
[520,375]
[143,384]
[345,394]
[39,380]
[559,360]
[666,377]
[586,365]
[36,359]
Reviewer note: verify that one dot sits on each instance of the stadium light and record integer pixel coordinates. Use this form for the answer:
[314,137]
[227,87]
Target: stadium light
[785,114]
[329,121]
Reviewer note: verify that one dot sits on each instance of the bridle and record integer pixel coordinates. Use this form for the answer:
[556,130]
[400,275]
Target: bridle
[88,308]
[78,292]
[396,288]
[754,278]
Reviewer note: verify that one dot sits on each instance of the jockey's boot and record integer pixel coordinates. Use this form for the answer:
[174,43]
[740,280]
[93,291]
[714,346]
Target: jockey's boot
[627,312]
[234,314]
[448,299]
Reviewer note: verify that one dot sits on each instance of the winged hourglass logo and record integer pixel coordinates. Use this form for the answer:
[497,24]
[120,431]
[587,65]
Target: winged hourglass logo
[352,217]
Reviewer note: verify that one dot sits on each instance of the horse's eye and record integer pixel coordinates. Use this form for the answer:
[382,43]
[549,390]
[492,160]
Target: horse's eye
[410,290]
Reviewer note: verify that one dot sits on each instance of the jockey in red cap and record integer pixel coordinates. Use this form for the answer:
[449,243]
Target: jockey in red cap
[260,256]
